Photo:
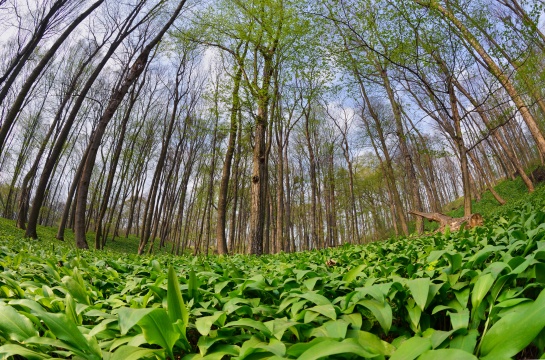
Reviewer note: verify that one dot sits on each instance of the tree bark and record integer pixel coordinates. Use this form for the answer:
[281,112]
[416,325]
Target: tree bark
[226,171]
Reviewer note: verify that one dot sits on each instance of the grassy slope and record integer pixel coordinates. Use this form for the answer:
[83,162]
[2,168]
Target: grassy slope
[514,192]
[47,234]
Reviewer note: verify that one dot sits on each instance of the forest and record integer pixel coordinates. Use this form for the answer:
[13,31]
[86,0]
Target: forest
[249,179]
[262,126]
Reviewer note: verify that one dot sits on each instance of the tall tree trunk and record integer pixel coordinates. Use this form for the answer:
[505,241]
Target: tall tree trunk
[226,171]
[113,167]
[409,166]
[259,163]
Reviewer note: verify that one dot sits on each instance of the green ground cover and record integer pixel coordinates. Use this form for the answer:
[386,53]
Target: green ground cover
[475,293]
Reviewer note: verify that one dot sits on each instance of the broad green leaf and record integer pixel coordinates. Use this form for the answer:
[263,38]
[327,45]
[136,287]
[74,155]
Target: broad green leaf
[9,350]
[126,352]
[455,262]
[128,317]
[251,324]
[419,290]
[78,350]
[278,326]
[193,285]
[415,313]
[76,290]
[63,328]
[465,342]
[355,320]
[204,324]
[275,347]
[249,347]
[315,298]
[297,349]
[381,311]
[412,348]
[481,288]
[330,347]
[218,353]
[158,330]
[335,329]
[15,326]
[70,309]
[102,326]
[459,320]
[175,303]
[447,354]
[437,337]
[156,266]
[352,274]
[311,283]
[515,330]
[372,343]
[326,310]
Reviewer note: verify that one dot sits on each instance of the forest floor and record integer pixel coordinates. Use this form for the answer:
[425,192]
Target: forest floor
[46,234]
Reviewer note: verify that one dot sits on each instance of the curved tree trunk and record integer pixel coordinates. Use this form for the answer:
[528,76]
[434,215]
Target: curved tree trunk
[226,172]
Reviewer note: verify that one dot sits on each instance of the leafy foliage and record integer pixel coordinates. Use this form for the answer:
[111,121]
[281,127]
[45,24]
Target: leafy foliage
[475,293]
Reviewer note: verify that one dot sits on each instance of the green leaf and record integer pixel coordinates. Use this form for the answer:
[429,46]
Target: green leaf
[15,326]
[128,317]
[515,330]
[315,298]
[64,329]
[381,311]
[193,285]
[275,347]
[447,354]
[78,350]
[278,326]
[371,342]
[126,352]
[412,348]
[332,329]
[9,350]
[330,347]
[352,274]
[251,324]
[156,266]
[326,310]
[204,324]
[76,290]
[419,290]
[158,330]
[481,288]
[465,342]
[175,303]
[459,320]
[70,309]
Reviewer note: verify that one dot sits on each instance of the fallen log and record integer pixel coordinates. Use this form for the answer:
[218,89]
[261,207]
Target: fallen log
[454,224]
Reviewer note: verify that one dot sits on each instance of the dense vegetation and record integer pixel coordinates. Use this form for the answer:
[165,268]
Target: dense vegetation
[474,293]
[266,125]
